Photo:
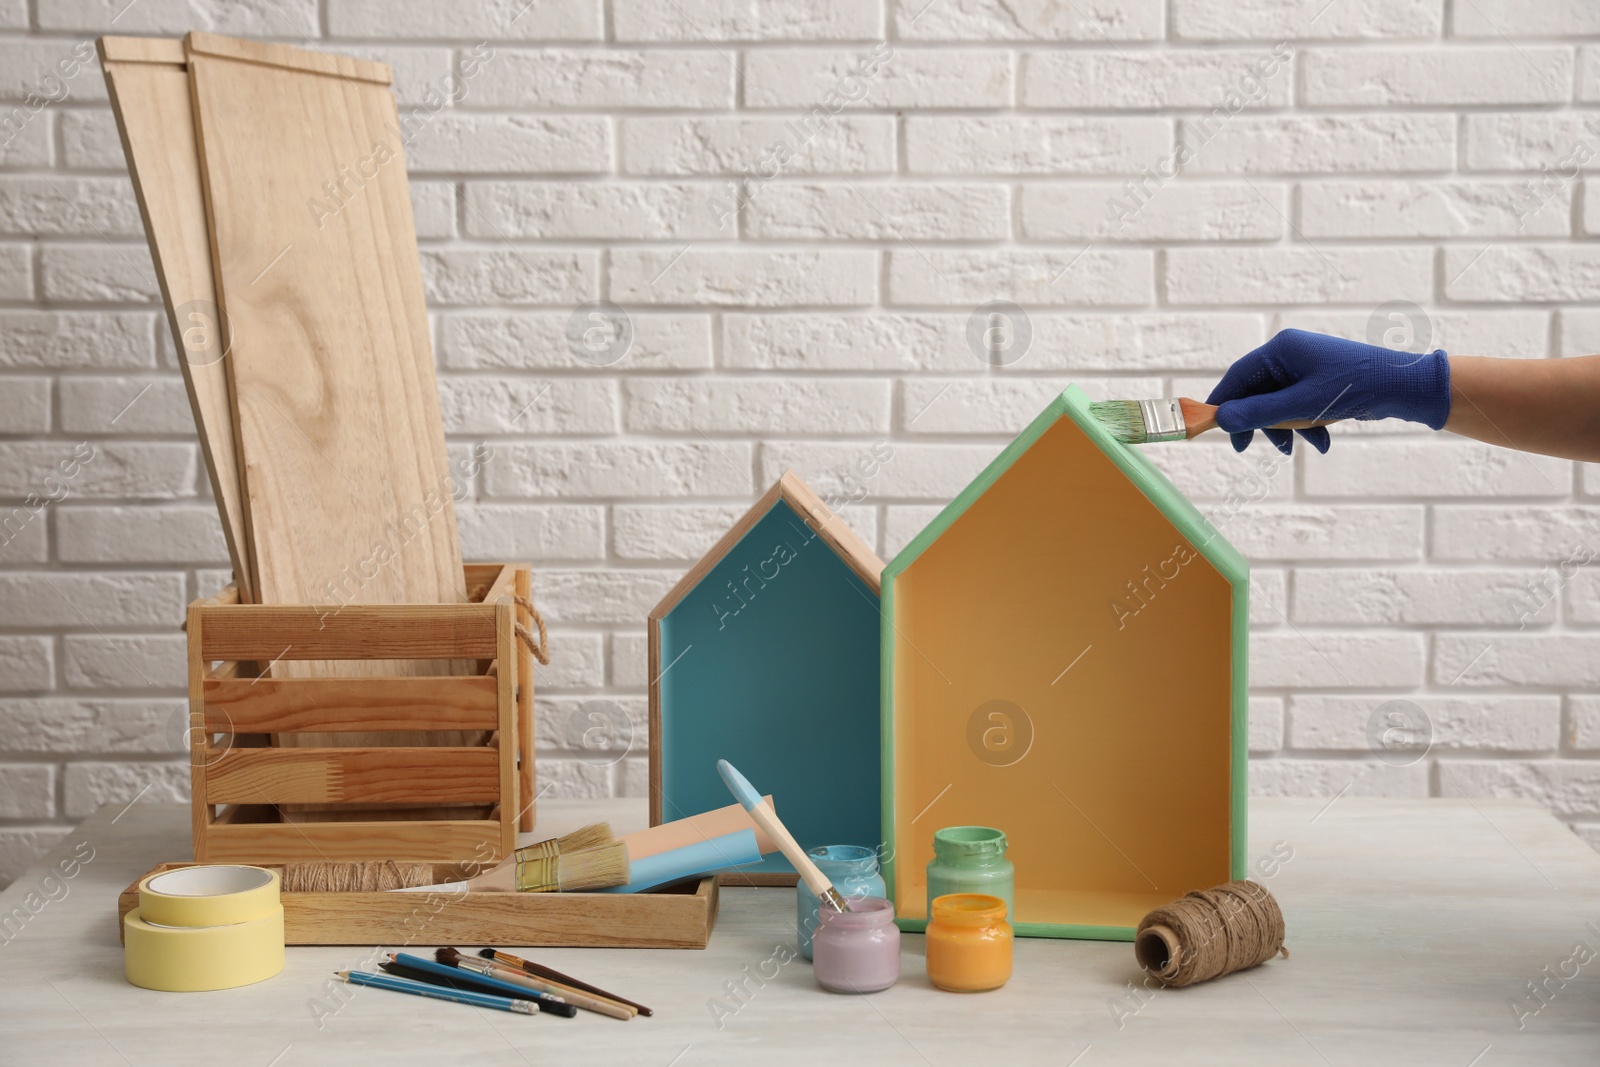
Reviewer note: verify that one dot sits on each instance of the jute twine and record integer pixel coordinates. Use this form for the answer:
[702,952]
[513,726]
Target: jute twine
[539,648]
[1209,933]
[370,876]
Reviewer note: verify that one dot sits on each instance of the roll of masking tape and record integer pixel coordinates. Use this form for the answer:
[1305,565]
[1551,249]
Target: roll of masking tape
[186,959]
[208,895]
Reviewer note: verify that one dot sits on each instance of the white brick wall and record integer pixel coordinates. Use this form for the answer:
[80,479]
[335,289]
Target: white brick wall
[799,246]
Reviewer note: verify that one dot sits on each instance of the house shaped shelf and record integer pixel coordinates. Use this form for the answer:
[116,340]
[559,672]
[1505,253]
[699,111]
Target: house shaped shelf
[766,654]
[1064,659]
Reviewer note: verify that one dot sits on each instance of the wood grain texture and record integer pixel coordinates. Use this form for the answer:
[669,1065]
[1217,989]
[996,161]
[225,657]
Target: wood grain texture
[679,917]
[199,740]
[355,775]
[365,839]
[149,88]
[373,633]
[343,705]
[473,789]
[527,791]
[348,495]
[166,50]
[283,56]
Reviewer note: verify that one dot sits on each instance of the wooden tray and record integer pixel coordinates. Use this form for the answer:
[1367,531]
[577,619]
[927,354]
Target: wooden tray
[679,916]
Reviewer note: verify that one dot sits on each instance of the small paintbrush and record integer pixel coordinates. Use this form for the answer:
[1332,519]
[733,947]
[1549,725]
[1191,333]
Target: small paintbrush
[516,976]
[1144,422]
[539,970]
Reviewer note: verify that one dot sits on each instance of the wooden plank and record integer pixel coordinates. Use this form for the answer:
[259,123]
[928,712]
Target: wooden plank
[506,743]
[435,839]
[527,795]
[355,775]
[199,741]
[149,90]
[361,631]
[348,494]
[343,705]
[678,917]
[288,58]
[163,50]
[483,574]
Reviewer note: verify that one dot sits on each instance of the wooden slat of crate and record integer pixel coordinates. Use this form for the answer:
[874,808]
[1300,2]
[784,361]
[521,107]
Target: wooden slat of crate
[355,776]
[442,840]
[338,705]
[357,631]
[680,917]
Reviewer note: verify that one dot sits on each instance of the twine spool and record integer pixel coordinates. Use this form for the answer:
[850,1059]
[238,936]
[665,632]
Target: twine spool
[1210,933]
[370,876]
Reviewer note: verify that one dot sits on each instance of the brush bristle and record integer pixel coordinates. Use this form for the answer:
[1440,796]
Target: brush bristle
[447,956]
[1122,418]
[488,953]
[592,836]
[593,868]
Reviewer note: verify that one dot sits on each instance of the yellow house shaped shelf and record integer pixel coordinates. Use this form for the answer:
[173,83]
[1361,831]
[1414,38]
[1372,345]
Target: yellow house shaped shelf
[1064,653]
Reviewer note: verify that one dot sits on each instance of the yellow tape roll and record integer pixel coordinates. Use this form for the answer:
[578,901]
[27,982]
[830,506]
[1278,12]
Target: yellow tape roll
[208,895]
[179,959]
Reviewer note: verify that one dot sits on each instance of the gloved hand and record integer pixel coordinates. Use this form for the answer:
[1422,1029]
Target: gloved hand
[1301,375]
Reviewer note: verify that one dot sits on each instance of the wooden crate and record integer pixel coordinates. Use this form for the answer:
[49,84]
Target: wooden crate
[679,916]
[238,778]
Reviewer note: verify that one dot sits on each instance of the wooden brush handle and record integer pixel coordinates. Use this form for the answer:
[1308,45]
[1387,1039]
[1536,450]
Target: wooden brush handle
[1198,418]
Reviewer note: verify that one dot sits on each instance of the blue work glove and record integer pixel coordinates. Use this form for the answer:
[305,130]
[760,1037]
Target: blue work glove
[1300,375]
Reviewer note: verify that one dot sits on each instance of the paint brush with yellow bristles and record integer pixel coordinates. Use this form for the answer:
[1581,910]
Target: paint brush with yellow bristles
[1144,422]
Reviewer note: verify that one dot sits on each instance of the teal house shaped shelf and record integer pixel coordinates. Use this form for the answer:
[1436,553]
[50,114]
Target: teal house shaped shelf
[1064,654]
[766,654]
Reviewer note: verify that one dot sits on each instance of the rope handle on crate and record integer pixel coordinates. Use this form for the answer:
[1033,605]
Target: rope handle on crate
[539,648]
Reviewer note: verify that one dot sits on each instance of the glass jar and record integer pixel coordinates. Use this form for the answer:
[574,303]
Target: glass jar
[853,870]
[970,859]
[969,943]
[858,951]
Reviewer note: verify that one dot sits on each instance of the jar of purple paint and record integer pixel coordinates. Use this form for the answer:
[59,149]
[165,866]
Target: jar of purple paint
[857,951]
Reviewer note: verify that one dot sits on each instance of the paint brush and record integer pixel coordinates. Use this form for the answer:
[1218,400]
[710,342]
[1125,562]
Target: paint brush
[1144,422]
[437,992]
[381,876]
[516,976]
[448,975]
[761,812]
[590,868]
[539,970]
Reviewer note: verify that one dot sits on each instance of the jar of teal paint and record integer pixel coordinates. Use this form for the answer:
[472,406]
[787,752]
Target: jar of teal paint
[853,870]
[971,859]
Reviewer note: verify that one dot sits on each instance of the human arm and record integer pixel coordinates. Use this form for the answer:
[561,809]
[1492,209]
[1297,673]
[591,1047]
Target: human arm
[1550,406]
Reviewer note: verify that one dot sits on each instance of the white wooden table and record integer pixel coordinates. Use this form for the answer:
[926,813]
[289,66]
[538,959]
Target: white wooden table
[1413,926]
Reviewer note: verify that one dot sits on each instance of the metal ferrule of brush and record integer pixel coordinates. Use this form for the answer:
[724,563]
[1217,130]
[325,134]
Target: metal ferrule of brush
[834,900]
[537,876]
[1163,420]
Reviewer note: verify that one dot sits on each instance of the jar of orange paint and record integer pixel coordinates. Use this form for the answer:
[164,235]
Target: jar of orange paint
[969,943]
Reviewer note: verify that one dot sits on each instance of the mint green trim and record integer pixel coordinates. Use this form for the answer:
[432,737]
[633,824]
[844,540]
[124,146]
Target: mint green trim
[1187,519]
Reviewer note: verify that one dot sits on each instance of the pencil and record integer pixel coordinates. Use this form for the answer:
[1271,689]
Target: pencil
[438,992]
